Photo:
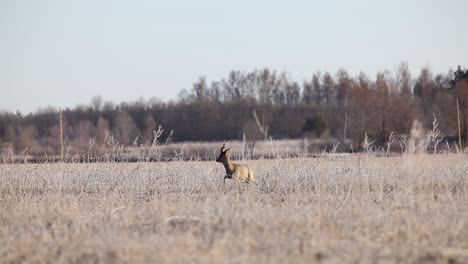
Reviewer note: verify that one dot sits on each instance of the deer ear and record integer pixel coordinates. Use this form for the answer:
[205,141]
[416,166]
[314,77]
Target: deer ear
[227,151]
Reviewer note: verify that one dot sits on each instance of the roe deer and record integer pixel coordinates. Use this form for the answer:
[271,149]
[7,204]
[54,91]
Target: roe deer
[234,171]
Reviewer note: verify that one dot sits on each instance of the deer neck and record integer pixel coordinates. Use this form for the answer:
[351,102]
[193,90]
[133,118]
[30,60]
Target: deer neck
[229,167]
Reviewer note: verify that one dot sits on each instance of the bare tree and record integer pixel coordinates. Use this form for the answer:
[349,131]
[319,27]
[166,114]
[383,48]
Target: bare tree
[84,131]
[381,100]
[307,93]
[102,127]
[200,88]
[124,128]
[292,93]
[279,89]
[403,78]
[317,88]
[360,109]
[262,126]
[460,83]
[425,87]
[150,126]
[328,87]
[214,92]
[27,139]
[266,81]
[97,103]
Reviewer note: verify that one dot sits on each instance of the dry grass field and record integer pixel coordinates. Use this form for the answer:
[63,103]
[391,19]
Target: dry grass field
[331,209]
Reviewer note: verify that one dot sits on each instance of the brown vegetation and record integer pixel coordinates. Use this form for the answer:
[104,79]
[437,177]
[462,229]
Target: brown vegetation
[334,209]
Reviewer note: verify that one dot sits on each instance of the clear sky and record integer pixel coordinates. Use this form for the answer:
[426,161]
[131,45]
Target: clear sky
[62,53]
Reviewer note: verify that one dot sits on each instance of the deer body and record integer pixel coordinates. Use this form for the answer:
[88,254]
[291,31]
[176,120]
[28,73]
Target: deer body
[235,171]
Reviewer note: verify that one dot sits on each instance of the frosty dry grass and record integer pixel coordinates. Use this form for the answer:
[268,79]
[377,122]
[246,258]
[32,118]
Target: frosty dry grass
[333,210]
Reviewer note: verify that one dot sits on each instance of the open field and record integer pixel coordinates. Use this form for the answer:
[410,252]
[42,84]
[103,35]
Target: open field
[332,209]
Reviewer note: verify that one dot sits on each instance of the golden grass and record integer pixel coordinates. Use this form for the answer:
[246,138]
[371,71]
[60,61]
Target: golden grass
[355,208]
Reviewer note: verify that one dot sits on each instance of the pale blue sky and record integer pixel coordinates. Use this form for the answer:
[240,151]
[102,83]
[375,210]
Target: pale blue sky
[62,53]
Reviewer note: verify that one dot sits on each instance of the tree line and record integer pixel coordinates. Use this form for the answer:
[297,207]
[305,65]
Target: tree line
[257,105]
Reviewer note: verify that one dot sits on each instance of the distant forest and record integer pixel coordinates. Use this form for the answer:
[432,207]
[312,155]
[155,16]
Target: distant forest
[257,105]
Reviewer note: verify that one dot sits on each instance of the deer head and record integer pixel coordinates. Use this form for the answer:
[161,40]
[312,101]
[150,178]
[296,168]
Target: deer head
[223,155]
